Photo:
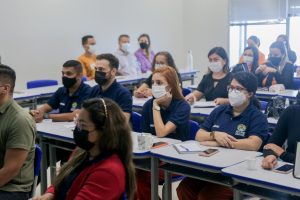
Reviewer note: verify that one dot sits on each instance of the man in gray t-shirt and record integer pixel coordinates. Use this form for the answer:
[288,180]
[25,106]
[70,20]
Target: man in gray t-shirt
[17,136]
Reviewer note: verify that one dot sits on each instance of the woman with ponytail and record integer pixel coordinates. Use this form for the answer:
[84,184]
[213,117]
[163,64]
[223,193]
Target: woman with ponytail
[101,167]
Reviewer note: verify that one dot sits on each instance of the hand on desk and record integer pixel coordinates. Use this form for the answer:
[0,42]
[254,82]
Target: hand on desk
[276,149]
[190,98]
[143,94]
[269,162]
[38,115]
[221,101]
[224,139]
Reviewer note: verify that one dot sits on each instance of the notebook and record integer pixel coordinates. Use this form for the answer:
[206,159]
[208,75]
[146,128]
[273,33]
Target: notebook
[187,148]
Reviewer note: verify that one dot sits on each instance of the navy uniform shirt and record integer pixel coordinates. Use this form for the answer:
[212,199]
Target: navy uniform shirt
[62,100]
[206,86]
[178,113]
[117,93]
[251,122]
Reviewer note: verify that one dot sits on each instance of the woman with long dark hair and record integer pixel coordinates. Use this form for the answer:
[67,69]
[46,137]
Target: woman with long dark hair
[101,167]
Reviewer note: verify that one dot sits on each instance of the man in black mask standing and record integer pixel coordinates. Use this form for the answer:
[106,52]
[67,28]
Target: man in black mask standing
[105,76]
[68,98]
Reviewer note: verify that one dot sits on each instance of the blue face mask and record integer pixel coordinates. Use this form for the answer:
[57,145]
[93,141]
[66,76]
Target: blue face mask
[81,139]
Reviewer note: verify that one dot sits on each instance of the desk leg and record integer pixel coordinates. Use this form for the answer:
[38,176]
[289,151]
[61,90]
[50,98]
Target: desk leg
[43,166]
[154,178]
[52,156]
[193,79]
[167,188]
[237,195]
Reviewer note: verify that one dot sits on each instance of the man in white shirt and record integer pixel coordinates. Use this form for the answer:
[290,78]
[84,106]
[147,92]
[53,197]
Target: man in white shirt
[127,61]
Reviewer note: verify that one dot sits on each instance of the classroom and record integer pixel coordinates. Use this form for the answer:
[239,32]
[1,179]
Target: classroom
[148,100]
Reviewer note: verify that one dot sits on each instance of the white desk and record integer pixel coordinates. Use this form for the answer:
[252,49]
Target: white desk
[291,94]
[193,165]
[52,132]
[266,179]
[188,75]
[139,102]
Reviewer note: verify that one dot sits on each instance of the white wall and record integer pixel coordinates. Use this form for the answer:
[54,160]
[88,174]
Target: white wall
[205,25]
[37,37]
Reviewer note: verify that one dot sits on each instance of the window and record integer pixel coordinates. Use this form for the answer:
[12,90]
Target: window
[294,36]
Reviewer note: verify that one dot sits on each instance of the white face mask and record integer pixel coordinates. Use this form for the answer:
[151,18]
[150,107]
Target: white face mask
[158,91]
[248,59]
[215,66]
[236,98]
[158,66]
[125,46]
[92,49]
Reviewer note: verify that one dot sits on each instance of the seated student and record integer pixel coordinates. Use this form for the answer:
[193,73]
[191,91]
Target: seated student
[253,41]
[127,61]
[102,166]
[213,85]
[250,61]
[291,54]
[240,125]
[88,58]
[17,133]
[277,69]
[166,115]
[162,58]
[144,54]
[287,129]
[68,98]
[105,76]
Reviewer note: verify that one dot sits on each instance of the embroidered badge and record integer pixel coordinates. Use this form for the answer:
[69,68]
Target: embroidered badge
[241,130]
[74,106]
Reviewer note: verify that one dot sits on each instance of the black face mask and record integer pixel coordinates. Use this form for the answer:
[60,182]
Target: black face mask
[68,82]
[100,78]
[275,60]
[81,139]
[144,45]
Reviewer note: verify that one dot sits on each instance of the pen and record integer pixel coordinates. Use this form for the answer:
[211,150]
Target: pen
[184,148]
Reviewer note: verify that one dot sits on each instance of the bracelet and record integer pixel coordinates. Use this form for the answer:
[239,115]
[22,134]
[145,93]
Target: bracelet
[212,135]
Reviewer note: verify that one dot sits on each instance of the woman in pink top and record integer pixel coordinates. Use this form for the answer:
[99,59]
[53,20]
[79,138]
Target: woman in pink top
[144,54]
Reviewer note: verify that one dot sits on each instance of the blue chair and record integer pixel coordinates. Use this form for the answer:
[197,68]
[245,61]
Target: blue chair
[41,83]
[263,105]
[194,127]
[37,167]
[296,83]
[84,78]
[186,91]
[136,122]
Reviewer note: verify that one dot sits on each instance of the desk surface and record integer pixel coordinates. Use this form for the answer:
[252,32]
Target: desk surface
[224,158]
[286,93]
[263,178]
[64,130]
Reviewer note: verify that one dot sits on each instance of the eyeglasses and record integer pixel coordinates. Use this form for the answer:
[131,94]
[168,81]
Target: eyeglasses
[231,88]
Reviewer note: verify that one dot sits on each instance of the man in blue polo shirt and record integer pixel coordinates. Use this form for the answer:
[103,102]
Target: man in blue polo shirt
[105,76]
[68,98]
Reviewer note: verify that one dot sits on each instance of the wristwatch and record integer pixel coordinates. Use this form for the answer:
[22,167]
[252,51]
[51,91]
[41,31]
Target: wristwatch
[46,116]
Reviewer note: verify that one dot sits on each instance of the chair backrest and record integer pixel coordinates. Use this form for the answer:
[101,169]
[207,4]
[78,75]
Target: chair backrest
[37,167]
[263,105]
[84,78]
[136,122]
[186,91]
[194,127]
[41,83]
[296,83]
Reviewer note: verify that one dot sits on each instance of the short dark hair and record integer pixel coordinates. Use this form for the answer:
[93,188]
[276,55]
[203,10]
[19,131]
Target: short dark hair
[75,64]
[8,76]
[123,35]
[113,60]
[220,51]
[255,39]
[85,38]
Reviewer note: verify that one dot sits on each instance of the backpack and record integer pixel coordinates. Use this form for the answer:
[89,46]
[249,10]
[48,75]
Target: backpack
[275,107]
